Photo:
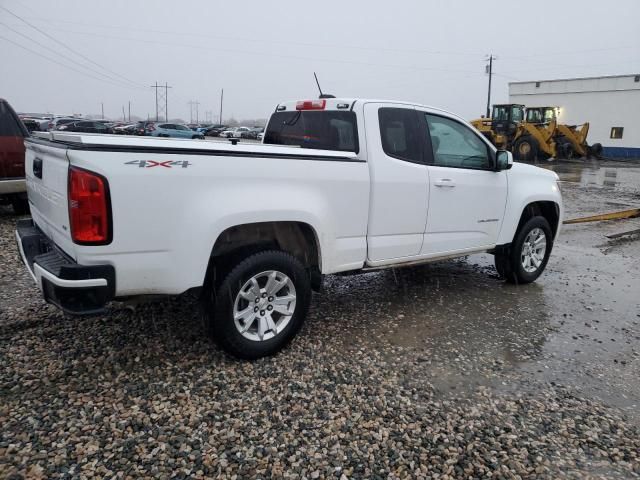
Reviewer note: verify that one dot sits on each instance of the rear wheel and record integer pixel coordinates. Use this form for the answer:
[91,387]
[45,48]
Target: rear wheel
[260,305]
[595,150]
[529,252]
[526,148]
[564,148]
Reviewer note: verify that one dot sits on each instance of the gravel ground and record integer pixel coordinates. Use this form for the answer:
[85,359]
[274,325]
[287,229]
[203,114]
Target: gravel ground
[440,371]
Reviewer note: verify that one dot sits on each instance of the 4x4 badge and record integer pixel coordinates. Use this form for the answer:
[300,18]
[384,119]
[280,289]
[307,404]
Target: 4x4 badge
[153,163]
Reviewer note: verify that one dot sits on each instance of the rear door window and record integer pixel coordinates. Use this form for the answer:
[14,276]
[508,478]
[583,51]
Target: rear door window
[400,134]
[324,130]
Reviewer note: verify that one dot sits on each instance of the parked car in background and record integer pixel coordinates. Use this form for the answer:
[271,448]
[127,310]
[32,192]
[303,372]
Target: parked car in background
[142,127]
[13,188]
[126,129]
[260,136]
[252,133]
[215,130]
[235,132]
[86,126]
[57,122]
[174,130]
[42,123]
[31,124]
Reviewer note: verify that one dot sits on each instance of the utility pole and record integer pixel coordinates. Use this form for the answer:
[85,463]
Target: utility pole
[102,104]
[166,101]
[489,70]
[129,111]
[193,103]
[162,97]
[124,117]
[221,99]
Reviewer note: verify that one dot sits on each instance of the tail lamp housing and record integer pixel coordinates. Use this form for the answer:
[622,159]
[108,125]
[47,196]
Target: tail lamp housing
[89,208]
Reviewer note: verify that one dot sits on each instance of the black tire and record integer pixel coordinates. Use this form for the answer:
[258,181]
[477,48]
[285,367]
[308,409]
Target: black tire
[20,206]
[219,309]
[526,149]
[509,265]
[595,150]
[569,152]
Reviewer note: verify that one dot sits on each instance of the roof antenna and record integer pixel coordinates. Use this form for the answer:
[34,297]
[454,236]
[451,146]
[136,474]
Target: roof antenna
[322,95]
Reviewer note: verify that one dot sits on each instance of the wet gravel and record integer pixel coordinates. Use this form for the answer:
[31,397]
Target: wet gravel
[440,371]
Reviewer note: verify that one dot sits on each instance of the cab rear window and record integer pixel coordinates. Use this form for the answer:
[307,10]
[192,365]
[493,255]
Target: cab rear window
[323,130]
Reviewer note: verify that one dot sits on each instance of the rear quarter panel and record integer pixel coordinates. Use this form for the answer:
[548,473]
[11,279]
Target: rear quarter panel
[166,219]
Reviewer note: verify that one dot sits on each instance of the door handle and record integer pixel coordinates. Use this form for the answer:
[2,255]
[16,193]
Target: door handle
[445,182]
[37,167]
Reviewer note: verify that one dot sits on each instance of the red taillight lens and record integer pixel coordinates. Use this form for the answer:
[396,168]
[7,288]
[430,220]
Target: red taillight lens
[89,214]
[151,127]
[311,105]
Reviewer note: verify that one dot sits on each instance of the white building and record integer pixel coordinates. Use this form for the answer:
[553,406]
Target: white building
[610,104]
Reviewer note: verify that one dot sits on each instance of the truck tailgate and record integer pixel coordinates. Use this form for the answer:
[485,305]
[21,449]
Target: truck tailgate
[47,171]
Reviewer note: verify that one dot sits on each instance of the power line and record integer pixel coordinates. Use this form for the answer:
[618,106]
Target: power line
[69,59]
[66,46]
[59,63]
[263,53]
[263,41]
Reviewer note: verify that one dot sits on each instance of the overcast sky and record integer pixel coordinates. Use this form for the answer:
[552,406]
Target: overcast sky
[430,52]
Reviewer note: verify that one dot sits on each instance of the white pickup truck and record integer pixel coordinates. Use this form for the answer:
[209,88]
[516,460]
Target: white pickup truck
[338,185]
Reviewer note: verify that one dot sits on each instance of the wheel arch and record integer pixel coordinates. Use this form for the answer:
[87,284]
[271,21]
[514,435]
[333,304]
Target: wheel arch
[236,242]
[550,209]
[544,208]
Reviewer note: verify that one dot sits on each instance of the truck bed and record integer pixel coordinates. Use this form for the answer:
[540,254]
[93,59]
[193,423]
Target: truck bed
[89,141]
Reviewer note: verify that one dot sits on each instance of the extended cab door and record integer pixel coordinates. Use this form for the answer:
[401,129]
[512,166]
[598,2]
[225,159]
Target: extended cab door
[467,196]
[399,181]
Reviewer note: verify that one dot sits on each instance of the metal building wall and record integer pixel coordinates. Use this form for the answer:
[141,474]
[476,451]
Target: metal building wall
[604,102]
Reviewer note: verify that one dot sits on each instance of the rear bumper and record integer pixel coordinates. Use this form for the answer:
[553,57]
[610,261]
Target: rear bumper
[76,289]
[12,185]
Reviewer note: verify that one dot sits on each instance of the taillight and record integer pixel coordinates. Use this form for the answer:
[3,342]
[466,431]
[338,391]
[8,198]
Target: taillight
[89,210]
[311,105]
[151,127]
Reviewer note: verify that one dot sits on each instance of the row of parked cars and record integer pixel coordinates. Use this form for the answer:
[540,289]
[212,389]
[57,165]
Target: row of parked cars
[146,127]
[14,128]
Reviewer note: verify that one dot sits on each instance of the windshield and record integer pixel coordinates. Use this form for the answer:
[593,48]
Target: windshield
[502,112]
[325,130]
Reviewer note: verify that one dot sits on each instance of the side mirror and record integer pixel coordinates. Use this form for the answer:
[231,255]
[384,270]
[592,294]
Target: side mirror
[504,160]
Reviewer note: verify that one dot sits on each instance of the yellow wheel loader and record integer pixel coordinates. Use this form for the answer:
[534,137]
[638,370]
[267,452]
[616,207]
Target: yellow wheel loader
[536,135]
[508,129]
[571,140]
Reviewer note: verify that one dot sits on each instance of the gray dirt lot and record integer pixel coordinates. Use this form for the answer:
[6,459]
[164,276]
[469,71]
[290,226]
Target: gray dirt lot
[441,371]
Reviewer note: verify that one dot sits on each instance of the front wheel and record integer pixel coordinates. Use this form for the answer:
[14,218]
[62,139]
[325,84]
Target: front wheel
[260,305]
[529,252]
[526,149]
